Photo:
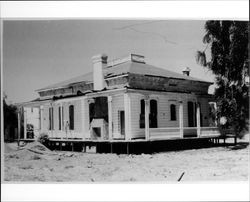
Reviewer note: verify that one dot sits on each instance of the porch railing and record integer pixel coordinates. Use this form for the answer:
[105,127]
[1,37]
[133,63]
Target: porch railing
[164,133]
[209,131]
[175,132]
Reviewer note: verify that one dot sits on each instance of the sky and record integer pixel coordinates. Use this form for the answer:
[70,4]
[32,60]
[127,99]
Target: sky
[42,52]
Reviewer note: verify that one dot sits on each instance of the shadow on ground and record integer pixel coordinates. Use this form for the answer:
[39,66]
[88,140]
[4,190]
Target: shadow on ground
[240,145]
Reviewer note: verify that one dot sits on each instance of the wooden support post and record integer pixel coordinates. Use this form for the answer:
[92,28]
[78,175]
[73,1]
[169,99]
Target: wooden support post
[72,146]
[224,140]
[111,148]
[19,127]
[84,147]
[25,123]
[235,140]
[150,147]
[127,147]
[41,118]
[198,113]
[60,146]
[181,118]
[147,118]
[110,117]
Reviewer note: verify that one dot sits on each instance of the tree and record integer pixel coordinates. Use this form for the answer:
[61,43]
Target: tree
[228,45]
[10,119]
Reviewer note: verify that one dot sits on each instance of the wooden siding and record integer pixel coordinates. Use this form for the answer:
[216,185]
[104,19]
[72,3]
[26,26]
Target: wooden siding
[209,131]
[85,118]
[45,126]
[148,82]
[135,129]
[117,105]
[164,101]
[204,111]
[56,133]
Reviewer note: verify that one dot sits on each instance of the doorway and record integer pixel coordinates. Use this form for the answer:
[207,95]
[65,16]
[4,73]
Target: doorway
[191,115]
[122,122]
[153,123]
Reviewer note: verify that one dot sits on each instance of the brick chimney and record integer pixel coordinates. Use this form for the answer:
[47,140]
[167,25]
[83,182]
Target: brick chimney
[99,63]
[186,71]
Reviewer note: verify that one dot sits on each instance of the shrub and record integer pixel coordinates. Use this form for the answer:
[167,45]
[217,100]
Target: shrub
[43,138]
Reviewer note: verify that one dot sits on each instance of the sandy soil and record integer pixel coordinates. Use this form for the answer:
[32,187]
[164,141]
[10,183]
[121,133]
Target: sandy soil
[34,162]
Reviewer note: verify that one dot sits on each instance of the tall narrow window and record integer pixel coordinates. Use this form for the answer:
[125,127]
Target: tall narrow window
[62,119]
[142,114]
[91,111]
[59,118]
[71,117]
[153,123]
[51,119]
[172,112]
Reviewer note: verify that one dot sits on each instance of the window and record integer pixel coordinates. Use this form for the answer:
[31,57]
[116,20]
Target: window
[173,112]
[51,119]
[71,117]
[142,114]
[153,114]
[60,118]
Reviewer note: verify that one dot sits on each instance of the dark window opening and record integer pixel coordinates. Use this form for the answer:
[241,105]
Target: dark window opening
[122,122]
[153,114]
[71,117]
[142,114]
[191,114]
[51,119]
[59,118]
[172,112]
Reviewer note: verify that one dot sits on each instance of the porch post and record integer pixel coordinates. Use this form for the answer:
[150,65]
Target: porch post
[110,117]
[215,107]
[181,118]
[19,126]
[198,122]
[147,118]
[25,123]
[127,109]
[41,118]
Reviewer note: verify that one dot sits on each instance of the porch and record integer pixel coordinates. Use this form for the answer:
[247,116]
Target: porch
[183,133]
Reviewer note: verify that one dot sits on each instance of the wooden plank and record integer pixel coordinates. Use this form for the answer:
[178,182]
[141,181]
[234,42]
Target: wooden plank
[111,148]
[127,147]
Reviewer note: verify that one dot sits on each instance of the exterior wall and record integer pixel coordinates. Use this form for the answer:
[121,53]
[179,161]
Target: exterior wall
[164,101]
[64,132]
[204,111]
[45,127]
[117,105]
[85,118]
[136,131]
[81,113]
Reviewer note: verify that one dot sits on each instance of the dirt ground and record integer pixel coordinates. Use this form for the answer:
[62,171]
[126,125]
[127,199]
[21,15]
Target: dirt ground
[36,163]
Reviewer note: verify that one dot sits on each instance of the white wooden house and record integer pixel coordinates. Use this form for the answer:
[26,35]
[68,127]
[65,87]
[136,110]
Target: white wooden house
[123,99]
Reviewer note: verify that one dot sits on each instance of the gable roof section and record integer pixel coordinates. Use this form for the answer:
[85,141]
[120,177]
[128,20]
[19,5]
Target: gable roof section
[123,69]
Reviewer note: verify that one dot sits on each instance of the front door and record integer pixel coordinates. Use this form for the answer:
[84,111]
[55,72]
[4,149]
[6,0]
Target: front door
[191,114]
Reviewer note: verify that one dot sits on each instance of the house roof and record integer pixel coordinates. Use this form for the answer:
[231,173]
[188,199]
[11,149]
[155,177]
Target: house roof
[128,67]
